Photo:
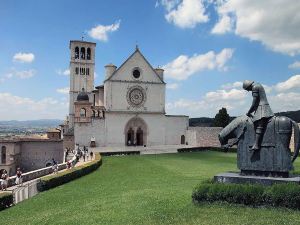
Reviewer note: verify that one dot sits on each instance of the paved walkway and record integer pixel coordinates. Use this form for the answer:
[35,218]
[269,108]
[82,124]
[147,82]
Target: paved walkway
[157,149]
[28,188]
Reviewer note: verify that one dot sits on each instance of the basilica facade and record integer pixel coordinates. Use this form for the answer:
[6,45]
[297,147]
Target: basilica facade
[127,109]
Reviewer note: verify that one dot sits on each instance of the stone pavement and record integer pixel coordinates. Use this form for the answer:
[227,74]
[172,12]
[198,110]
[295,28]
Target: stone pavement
[158,149]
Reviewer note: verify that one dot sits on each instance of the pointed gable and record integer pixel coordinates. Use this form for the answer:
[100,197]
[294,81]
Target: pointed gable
[136,61]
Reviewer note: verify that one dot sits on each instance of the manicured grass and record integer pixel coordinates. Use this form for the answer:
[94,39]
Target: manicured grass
[144,190]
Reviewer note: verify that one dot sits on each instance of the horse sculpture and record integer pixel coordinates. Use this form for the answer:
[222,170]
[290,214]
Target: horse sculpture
[274,158]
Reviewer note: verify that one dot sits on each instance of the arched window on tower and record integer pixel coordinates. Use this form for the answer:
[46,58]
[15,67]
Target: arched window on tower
[82,53]
[82,112]
[76,53]
[3,155]
[88,54]
[87,71]
[76,70]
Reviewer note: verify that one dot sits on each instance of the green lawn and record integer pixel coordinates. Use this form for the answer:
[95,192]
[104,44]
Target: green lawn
[151,189]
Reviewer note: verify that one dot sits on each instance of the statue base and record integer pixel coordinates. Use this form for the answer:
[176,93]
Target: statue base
[237,178]
[264,173]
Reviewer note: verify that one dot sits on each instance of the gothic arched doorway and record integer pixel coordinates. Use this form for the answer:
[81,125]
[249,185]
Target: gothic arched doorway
[136,132]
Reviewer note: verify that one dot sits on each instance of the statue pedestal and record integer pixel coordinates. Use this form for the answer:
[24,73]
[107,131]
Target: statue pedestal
[237,178]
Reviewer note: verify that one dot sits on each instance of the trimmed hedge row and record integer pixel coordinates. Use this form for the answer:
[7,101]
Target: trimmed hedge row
[200,149]
[52,181]
[278,195]
[6,200]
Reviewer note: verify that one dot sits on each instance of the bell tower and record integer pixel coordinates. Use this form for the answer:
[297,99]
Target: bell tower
[82,70]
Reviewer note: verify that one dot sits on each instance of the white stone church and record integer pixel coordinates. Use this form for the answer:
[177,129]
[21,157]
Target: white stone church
[128,109]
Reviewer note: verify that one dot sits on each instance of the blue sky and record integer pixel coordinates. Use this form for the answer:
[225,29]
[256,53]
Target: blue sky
[206,48]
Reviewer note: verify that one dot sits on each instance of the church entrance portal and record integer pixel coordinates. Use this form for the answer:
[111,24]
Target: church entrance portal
[135,132]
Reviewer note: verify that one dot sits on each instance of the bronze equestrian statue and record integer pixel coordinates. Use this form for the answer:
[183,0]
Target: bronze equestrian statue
[262,139]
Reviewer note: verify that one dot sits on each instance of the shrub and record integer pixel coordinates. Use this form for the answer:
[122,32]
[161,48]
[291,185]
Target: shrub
[283,195]
[52,181]
[200,149]
[6,200]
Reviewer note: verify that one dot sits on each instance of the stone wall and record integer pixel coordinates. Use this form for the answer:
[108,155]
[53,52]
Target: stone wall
[36,154]
[203,136]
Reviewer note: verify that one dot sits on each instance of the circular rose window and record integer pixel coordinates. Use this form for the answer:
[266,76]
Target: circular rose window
[136,96]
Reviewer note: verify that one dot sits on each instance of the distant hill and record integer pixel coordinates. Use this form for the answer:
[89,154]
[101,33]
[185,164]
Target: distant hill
[15,127]
[32,123]
[208,122]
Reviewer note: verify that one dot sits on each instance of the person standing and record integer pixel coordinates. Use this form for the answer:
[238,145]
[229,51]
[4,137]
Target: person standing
[91,154]
[19,178]
[83,155]
[4,178]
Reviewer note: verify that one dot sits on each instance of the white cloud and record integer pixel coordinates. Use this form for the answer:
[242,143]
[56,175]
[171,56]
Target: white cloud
[185,13]
[225,95]
[20,108]
[283,102]
[183,66]
[237,84]
[63,72]
[25,74]
[273,23]
[101,32]
[172,86]
[295,65]
[224,25]
[283,96]
[292,83]
[23,57]
[64,90]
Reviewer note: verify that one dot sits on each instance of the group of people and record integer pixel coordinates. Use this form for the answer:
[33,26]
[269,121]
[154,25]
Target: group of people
[84,154]
[4,179]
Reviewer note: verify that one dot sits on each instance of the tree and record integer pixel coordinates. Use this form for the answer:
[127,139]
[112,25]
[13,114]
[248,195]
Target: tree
[222,118]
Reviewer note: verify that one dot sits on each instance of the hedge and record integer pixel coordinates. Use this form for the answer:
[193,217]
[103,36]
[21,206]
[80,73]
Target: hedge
[200,149]
[6,200]
[52,181]
[278,195]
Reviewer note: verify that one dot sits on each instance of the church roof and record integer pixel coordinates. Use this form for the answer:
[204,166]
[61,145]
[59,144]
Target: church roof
[136,50]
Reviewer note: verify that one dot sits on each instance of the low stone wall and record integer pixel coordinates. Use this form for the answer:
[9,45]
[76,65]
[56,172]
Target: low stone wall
[37,173]
[203,136]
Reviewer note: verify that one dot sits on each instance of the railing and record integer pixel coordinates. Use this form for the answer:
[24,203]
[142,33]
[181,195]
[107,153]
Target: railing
[37,173]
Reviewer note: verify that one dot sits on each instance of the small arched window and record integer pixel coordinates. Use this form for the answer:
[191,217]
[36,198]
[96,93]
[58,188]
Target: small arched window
[82,112]
[3,155]
[82,53]
[87,71]
[83,71]
[76,53]
[88,54]
[76,70]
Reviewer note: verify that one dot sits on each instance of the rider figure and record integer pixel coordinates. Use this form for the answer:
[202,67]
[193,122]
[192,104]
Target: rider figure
[261,108]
